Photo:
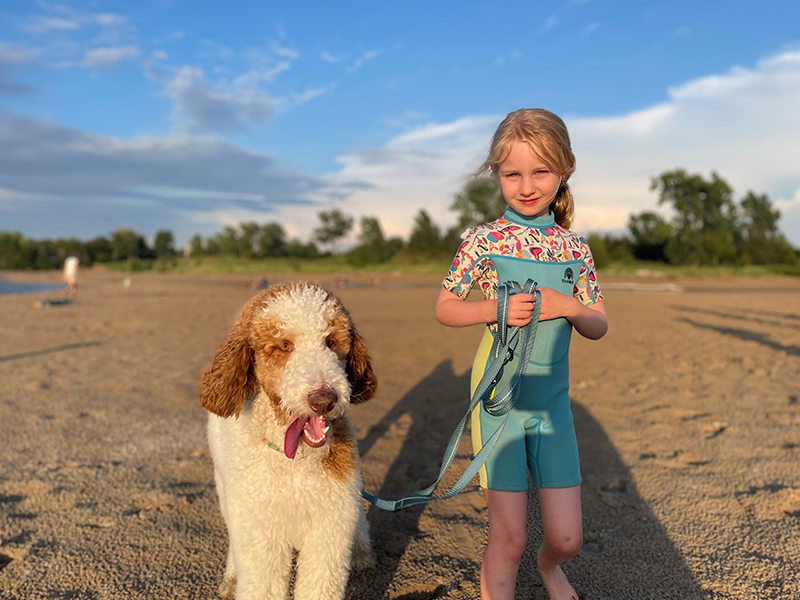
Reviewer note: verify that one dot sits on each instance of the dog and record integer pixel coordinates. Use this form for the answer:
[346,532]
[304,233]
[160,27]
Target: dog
[286,463]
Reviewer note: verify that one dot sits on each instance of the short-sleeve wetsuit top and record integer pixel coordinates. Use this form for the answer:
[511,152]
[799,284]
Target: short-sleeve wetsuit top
[539,435]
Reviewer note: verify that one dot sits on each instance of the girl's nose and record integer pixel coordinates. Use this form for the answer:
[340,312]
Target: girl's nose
[527,186]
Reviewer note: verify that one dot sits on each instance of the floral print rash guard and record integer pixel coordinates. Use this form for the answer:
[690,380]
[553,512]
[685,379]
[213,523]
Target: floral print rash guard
[506,237]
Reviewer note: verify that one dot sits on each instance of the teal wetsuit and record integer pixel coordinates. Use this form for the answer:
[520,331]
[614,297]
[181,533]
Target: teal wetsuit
[539,436]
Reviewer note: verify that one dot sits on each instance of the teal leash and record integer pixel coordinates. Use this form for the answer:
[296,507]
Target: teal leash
[506,342]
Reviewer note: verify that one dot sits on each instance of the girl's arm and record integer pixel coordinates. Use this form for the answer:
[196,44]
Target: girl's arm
[455,312]
[590,321]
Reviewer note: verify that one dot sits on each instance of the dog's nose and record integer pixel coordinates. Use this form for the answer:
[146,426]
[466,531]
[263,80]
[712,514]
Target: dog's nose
[322,400]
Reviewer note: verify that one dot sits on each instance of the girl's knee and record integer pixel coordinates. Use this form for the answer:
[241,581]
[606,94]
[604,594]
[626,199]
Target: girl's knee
[511,545]
[565,546]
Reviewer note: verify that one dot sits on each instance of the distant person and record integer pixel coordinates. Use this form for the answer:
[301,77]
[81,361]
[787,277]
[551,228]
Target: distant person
[71,265]
[531,159]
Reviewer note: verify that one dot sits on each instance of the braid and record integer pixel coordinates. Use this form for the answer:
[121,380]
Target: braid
[563,206]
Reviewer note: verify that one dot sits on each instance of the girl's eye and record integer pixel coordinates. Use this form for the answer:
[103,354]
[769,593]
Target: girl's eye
[542,172]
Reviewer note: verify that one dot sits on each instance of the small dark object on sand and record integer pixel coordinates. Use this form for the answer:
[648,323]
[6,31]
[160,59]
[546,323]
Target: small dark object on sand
[260,284]
[48,302]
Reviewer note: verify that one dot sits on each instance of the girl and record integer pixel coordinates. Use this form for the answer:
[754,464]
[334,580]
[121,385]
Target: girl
[531,159]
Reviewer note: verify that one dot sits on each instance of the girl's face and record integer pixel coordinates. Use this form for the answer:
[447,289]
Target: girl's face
[528,185]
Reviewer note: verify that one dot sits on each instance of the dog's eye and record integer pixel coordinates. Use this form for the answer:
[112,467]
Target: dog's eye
[330,343]
[286,346]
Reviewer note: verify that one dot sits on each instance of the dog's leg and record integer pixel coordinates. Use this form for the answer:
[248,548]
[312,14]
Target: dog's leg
[323,562]
[363,557]
[227,588]
[263,570]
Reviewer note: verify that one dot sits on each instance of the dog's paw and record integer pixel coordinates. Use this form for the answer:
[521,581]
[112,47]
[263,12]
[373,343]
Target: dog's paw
[363,557]
[227,588]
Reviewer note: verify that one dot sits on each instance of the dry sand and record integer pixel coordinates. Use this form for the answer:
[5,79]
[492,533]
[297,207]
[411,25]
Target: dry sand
[687,417]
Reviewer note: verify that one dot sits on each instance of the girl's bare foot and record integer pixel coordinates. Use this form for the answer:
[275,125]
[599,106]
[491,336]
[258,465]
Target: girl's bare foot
[555,582]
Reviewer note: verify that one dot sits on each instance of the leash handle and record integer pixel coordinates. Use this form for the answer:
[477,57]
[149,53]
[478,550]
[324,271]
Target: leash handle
[500,403]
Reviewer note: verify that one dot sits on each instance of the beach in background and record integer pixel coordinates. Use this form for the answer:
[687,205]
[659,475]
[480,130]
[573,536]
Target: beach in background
[687,418]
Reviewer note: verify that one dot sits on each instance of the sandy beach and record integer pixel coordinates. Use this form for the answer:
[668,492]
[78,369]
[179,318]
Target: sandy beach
[687,416]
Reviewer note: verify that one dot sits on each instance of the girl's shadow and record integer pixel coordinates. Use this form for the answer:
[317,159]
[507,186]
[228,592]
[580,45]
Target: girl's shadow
[626,552]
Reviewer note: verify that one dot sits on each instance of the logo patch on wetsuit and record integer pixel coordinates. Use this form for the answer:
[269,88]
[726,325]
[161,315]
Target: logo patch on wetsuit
[568,276]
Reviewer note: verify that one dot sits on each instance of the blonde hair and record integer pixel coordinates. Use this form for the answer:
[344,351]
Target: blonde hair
[547,137]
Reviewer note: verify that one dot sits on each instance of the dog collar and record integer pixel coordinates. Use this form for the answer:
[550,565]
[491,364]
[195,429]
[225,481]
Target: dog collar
[272,445]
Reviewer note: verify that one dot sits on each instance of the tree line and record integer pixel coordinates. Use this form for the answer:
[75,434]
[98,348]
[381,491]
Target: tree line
[707,227]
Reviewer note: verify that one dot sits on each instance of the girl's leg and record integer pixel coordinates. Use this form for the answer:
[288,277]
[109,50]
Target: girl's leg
[563,536]
[507,539]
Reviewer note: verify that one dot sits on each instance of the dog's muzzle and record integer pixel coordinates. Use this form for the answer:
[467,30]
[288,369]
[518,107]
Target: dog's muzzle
[322,400]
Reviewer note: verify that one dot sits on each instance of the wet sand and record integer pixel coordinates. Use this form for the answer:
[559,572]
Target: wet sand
[687,417]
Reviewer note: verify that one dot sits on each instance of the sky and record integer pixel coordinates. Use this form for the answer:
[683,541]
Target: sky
[191,116]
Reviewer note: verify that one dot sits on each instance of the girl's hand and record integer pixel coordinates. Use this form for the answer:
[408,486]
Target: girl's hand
[555,305]
[520,307]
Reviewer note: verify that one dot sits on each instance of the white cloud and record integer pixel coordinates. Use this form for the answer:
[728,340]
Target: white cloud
[330,58]
[49,24]
[201,106]
[367,56]
[551,22]
[682,31]
[72,20]
[284,51]
[109,57]
[13,54]
[58,181]
[742,124]
[591,27]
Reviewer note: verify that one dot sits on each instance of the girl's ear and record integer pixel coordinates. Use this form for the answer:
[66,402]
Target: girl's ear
[230,380]
[359,371]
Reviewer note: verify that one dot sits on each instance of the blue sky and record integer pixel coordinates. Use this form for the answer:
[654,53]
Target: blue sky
[188,116]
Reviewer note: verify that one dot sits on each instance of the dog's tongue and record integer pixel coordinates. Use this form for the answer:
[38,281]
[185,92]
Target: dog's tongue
[292,437]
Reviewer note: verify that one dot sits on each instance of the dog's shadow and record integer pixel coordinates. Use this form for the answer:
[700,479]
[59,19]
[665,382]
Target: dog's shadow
[619,526]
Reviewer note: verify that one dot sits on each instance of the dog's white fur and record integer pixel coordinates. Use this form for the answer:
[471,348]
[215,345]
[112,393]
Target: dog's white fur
[290,341]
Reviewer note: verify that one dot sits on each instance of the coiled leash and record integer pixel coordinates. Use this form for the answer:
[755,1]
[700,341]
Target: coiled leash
[506,341]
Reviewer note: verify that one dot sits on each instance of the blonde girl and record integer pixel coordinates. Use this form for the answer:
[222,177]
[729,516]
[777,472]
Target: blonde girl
[531,159]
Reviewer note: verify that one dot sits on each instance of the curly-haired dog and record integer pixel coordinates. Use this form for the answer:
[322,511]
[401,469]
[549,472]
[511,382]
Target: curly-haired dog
[291,366]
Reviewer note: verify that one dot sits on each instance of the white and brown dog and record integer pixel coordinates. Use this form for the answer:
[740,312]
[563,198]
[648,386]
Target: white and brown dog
[291,366]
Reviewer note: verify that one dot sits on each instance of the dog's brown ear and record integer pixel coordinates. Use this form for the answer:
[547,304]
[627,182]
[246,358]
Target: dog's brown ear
[230,380]
[359,370]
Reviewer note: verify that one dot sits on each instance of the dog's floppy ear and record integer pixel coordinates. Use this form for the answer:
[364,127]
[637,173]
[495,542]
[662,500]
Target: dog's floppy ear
[359,370]
[230,380]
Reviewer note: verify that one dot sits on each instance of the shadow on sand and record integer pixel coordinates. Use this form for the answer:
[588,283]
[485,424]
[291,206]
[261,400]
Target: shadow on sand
[48,351]
[626,553]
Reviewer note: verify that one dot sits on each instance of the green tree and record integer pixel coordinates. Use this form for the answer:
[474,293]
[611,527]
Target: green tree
[16,252]
[374,247]
[762,242]
[599,251]
[247,239]
[335,226]
[650,234]
[228,241]
[196,246]
[99,250]
[127,244]
[271,240]
[164,244]
[705,218]
[297,249]
[425,240]
[479,202]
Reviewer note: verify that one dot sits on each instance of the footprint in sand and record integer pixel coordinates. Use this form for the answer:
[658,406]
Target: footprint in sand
[791,503]
[712,430]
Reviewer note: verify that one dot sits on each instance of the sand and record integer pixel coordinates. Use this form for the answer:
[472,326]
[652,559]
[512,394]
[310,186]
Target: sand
[687,417]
